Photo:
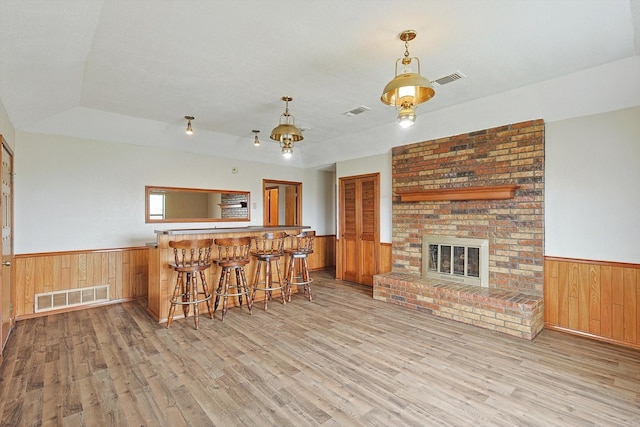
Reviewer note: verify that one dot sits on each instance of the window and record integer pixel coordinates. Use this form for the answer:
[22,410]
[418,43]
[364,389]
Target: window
[156,206]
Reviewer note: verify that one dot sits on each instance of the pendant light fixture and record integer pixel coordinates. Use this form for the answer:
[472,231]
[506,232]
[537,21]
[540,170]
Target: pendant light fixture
[286,133]
[189,130]
[408,88]
[256,141]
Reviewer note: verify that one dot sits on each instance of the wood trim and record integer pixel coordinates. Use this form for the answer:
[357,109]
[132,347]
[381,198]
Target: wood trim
[498,192]
[76,308]
[80,251]
[592,336]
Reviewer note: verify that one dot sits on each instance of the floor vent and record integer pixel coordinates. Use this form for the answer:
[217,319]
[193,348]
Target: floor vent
[71,298]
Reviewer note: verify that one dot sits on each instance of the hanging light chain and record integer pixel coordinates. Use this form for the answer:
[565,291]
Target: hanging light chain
[406,36]
[286,108]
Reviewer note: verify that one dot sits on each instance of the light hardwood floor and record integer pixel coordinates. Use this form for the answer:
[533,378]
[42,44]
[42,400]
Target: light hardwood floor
[341,360]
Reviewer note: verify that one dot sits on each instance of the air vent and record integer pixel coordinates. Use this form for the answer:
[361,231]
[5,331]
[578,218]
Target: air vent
[358,110]
[448,79]
[71,298]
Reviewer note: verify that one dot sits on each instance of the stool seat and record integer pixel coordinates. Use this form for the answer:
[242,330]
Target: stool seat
[269,248]
[298,269]
[232,254]
[191,259]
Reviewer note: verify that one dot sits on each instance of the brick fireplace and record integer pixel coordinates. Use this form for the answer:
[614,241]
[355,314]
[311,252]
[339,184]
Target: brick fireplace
[487,185]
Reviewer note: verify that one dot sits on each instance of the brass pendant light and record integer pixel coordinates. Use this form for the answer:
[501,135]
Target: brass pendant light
[408,88]
[286,133]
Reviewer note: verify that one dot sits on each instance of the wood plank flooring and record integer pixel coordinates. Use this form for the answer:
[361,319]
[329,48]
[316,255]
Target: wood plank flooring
[341,360]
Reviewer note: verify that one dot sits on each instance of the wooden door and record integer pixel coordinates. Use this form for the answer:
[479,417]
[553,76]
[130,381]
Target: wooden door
[6,206]
[291,205]
[349,230]
[359,227]
[291,209]
[271,206]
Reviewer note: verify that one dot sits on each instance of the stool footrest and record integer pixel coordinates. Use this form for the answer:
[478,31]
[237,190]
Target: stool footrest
[291,282]
[178,299]
[231,294]
[269,288]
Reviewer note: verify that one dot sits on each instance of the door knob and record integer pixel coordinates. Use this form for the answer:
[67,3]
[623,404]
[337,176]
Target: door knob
[6,263]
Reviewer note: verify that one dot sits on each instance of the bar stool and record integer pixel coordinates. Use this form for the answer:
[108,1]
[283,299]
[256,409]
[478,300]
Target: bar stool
[233,254]
[298,269]
[192,257]
[268,248]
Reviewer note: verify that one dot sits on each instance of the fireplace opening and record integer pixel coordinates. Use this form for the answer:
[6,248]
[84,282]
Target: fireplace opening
[456,259]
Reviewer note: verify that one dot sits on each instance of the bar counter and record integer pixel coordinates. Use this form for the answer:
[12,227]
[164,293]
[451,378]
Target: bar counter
[162,278]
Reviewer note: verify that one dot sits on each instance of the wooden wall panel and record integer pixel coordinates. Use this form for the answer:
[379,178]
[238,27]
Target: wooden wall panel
[597,299]
[386,264]
[125,270]
[324,252]
[594,298]
[630,310]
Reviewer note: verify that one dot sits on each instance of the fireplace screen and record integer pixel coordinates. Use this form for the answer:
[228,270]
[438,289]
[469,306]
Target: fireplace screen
[456,259]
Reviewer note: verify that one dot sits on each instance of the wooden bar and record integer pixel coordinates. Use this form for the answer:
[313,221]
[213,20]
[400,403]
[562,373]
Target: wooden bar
[162,278]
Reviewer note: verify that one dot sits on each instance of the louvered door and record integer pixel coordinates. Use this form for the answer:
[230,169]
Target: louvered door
[359,228]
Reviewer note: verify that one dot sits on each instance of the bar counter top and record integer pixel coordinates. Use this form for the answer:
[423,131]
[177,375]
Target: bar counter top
[221,230]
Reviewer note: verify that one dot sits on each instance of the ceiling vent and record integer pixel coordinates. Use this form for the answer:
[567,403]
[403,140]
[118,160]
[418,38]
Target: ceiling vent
[358,110]
[448,79]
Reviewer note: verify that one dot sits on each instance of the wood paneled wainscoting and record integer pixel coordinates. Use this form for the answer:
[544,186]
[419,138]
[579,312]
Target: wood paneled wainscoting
[125,270]
[324,252]
[597,299]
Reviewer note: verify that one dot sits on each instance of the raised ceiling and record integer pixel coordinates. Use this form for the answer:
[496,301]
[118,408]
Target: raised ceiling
[129,71]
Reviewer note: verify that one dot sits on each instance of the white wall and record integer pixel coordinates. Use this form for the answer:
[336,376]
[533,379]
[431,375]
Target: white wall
[62,183]
[74,194]
[6,128]
[318,196]
[580,96]
[592,187]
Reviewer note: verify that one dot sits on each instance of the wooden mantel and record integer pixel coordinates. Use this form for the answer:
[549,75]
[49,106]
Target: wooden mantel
[497,192]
